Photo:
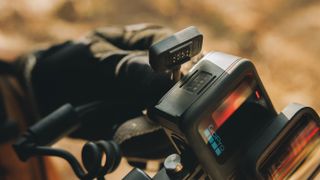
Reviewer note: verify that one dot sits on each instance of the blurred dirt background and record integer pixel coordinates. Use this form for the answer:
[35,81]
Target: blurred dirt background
[282,37]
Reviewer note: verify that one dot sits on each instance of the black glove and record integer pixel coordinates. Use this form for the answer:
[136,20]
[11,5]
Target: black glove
[110,64]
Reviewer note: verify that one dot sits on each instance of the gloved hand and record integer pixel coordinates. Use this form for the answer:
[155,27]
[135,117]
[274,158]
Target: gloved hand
[110,64]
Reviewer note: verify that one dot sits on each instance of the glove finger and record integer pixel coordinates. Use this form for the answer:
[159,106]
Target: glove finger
[131,37]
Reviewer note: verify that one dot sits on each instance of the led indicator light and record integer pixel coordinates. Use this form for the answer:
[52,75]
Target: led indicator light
[258,94]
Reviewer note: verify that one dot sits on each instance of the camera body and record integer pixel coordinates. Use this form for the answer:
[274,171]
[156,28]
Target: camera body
[196,112]
[220,111]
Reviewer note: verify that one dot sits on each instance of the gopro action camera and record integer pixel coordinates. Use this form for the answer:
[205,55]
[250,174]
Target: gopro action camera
[221,112]
[217,110]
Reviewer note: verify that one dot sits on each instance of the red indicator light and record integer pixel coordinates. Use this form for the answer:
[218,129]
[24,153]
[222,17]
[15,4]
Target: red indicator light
[258,94]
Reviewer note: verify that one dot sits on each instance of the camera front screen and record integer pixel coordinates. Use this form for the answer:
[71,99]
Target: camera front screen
[298,155]
[235,120]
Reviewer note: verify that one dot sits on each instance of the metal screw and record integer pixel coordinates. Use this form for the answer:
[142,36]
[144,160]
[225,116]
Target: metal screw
[173,163]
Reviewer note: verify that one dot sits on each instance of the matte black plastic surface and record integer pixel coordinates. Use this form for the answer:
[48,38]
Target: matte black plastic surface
[175,50]
[180,98]
[136,174]
[56,125]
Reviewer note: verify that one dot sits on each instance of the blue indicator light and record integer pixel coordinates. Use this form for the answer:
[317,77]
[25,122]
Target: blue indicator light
[214,140]
[214,145]
[218,152]
[211,140]
[216,137]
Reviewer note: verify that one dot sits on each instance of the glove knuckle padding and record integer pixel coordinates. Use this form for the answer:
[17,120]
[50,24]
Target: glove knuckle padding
[132,37]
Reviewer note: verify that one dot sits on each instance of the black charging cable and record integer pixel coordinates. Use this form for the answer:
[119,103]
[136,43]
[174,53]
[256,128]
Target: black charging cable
[38,138]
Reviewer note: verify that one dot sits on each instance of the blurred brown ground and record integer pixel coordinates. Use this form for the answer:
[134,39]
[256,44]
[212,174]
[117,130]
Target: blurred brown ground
[282,37]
